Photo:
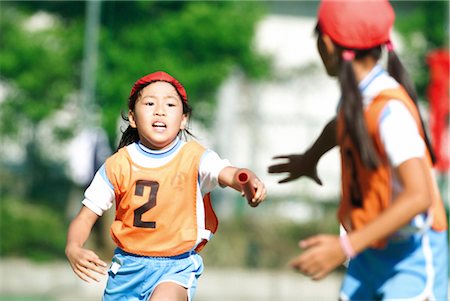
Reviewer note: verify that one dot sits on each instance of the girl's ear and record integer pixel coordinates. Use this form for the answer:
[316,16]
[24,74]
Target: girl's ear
[329,45]
[184,121]
[131,119]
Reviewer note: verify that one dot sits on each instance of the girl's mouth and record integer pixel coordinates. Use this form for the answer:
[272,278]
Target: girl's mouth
[159,124]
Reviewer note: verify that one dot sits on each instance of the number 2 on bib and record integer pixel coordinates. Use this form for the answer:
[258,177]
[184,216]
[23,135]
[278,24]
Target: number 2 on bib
[151,202]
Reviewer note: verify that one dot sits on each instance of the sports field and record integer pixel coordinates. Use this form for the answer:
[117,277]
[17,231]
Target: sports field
[26,281]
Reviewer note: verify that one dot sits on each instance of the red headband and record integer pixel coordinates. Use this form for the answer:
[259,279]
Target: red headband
[356,24]
[159,76]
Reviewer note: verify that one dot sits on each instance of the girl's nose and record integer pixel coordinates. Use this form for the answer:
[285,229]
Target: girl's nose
[159,110]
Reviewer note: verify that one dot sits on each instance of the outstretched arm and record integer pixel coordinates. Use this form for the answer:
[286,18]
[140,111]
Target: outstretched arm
[228,177]
[305,164]
[85,263]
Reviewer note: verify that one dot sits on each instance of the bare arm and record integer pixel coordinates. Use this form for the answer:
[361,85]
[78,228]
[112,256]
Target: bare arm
[323,252]
[305,164]
[83,262]
[227,177]
[414,199]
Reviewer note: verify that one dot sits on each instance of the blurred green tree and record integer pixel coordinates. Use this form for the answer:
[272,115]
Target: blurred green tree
[198,42]
[41,47]
[424,26]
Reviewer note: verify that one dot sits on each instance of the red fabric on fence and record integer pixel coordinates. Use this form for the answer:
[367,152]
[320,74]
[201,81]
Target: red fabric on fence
[438,96]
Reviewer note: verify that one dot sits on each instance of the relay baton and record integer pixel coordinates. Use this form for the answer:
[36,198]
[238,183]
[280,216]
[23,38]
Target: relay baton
[243,178]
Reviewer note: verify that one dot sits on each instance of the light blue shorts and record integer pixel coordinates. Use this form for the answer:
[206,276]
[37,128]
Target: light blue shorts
[138,276]
[415,269]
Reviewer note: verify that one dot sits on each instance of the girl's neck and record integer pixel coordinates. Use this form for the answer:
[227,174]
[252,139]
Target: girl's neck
[162,150]
[362,67]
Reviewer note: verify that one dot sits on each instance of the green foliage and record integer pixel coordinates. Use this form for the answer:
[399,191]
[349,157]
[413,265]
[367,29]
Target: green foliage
[36,67]
[424,26]
[198,42]
[430,18]
[32,231]
[195,41]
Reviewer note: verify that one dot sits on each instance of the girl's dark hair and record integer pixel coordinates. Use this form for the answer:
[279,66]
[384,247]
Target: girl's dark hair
[397,71]
[352,107]
[131,135]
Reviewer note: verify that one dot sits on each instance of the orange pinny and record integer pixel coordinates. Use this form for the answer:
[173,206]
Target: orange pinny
[366,193]
[156,208]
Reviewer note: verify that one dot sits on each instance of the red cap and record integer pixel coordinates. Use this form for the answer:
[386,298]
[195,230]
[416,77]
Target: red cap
[156,77]
[357,24]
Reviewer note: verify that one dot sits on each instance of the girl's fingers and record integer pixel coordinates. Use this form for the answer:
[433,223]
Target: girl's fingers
[93,258]
[285,180]
[309,242]
[305,265]
[82,276]
[89,274]
[100,263]
[96,268]
[317,179]
[319,275]
[260,193]
[281,157]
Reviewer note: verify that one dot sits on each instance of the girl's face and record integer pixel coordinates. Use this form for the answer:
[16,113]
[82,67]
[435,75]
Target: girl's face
[327,51]
[158,115]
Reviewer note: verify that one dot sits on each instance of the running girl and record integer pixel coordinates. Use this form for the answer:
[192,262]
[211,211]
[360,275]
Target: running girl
[160,185]
[390,206]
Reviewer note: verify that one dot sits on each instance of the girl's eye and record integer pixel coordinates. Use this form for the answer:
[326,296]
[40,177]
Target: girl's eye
[171,104]
[149,103]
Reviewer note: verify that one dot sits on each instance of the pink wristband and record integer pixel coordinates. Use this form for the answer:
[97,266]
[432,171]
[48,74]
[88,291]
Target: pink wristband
[346,246]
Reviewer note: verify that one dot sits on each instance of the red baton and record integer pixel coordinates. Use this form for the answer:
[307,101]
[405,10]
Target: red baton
[243,178]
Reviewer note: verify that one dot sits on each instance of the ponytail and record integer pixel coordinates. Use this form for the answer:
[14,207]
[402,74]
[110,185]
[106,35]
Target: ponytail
[129,136]
[399,73]
[352,108]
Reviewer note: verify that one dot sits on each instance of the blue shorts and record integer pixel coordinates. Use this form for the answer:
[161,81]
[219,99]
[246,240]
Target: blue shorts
[415,269]
[138,276]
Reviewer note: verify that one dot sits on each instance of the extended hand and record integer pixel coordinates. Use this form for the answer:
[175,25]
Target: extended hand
[260,192]
[297,165]
[85,263]
[322,254]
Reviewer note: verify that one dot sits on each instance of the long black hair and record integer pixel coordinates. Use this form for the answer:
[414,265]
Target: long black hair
[131,135]
[353,108]
[397,71]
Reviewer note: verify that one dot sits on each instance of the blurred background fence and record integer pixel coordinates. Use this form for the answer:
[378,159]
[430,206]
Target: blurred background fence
[257,87]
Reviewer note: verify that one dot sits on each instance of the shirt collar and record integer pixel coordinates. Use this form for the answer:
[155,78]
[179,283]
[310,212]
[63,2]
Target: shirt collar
[168,150]
[370,77]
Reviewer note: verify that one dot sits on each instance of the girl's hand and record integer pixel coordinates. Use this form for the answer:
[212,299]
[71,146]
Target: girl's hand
[260,192]
[322,254]
[85,263]
[231,177]
[297,165]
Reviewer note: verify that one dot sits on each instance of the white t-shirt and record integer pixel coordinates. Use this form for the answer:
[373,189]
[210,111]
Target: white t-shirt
[398,129]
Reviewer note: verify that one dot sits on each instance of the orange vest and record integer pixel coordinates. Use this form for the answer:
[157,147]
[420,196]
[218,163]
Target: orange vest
[156,208]
[366,193]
